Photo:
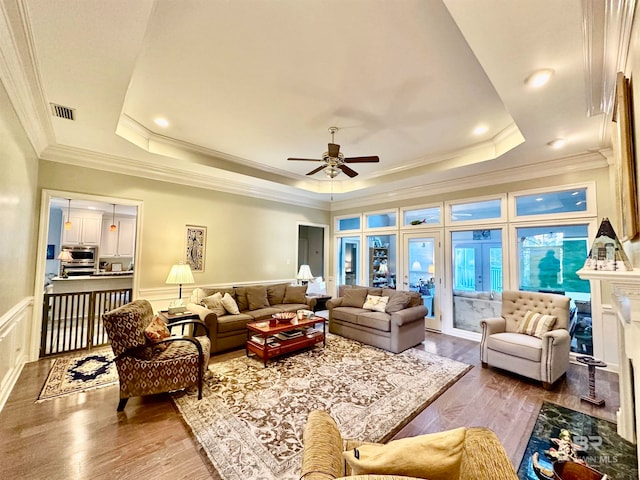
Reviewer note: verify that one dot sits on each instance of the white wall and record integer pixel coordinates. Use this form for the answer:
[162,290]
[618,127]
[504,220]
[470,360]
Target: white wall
[18,207]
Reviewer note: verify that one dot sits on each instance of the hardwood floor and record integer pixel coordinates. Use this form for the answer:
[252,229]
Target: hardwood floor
[82,436]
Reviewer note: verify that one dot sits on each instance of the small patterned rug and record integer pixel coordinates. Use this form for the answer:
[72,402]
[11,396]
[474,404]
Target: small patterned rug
[80,372]
[249,422]
[597,440]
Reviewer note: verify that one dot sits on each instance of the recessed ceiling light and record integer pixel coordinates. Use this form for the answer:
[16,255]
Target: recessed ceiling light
[480,129]
[161,122]
[580,202]
[539,199]
[539,78]
[558,143]
[575,193]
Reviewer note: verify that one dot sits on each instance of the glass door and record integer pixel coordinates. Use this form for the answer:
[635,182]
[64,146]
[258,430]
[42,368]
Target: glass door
[348,260]
[422,272]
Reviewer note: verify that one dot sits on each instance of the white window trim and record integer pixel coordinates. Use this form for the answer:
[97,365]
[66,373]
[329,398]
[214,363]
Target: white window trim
[366,215]
[501,219]
[591,210]
[404,210]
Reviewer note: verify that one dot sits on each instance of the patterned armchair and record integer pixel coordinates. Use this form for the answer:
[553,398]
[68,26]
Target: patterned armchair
[146,367]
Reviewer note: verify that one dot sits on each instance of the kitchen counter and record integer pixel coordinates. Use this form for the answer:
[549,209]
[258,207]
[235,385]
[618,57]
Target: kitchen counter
[90,283]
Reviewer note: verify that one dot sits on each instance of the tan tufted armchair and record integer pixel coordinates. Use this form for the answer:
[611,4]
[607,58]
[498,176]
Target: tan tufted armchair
[145,369]
[546,358]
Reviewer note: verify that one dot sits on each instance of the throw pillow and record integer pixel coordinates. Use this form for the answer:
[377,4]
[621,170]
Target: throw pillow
[257,297]
[435,456]
[398,301]
[157,329]
[230,304]
[354,297]
[214,303]
[536,324]
[241,298]
[275,293]
[376,303]
[295,294]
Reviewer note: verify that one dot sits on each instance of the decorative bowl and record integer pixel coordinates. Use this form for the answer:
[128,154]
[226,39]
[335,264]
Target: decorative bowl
[284,317]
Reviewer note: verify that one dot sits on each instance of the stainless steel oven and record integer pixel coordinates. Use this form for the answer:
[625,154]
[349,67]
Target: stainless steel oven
[83,260]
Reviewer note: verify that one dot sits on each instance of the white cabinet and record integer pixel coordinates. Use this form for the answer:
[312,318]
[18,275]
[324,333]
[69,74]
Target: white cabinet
[86,227]
[120,243]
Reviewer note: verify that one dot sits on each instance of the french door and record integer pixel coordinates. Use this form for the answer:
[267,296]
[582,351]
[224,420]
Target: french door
[422,272]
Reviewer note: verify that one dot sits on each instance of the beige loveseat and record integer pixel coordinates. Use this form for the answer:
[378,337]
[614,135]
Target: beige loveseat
[255,302]
[482,457]
[398,327]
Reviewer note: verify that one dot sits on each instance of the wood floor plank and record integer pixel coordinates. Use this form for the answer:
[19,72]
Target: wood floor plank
[82,436]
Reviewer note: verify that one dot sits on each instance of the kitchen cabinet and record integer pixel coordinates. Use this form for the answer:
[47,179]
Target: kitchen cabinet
[86,227]
[120,243]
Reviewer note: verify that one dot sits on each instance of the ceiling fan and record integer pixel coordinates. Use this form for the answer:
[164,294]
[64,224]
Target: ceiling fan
[334,161]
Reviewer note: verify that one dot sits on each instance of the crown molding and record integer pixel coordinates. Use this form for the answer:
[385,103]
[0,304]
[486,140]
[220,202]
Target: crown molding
[210,179]
[606,30]
[20,74]
[551,168]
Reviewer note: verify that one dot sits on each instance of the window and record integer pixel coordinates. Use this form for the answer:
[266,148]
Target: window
[475,211]
[477,277]
[548,259]
[382,261]
[422,216]
[573,200]
[348,223]
[381,219]
[348,260]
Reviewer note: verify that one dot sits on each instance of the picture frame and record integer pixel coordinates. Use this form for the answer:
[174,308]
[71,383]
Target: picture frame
[196,241]
[51,252]
[625,165]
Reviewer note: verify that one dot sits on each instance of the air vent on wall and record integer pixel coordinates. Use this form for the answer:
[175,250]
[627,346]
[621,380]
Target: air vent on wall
[61,111]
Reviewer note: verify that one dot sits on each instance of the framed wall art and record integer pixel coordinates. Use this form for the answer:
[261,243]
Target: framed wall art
[195,247]
[625,165]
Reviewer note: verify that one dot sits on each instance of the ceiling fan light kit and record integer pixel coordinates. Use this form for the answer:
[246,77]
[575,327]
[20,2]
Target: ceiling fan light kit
[334,161]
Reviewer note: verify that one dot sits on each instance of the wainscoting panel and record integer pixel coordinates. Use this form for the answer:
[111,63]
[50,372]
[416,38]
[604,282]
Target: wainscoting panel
[14,342]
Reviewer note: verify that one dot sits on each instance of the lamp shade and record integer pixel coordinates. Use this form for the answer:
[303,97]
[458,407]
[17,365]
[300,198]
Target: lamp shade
[304,273]
[416,266]
[383,269]
[180,274]
[431,269]
[65,255]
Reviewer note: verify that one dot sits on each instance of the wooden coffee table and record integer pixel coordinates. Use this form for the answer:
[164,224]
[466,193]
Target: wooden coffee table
[260,343]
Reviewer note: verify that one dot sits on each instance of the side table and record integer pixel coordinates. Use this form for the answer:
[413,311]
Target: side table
[321,302]
[176,317]
[592,363]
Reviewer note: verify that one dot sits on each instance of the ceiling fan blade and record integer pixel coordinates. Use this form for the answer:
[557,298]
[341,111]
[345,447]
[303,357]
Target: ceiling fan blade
[306,159]
[373,159]
[316,170]
[334,149]
[351,173]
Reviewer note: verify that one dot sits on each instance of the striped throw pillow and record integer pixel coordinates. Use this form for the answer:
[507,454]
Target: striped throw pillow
[536,324]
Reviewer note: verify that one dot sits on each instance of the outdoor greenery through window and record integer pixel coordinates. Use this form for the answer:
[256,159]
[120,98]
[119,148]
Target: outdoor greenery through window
[548,259]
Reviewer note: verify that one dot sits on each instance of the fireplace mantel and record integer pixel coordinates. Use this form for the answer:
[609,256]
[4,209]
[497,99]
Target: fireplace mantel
[626,302]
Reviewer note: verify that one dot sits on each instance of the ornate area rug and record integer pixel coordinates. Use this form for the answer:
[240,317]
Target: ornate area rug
[80,372]
[596,443]
[250,420]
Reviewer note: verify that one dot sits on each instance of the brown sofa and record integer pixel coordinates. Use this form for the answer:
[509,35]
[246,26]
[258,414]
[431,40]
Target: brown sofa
[483,456]
[255,302]
[399,327]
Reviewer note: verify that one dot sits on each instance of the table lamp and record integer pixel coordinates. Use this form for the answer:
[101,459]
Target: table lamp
[180,274]
[304,274]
